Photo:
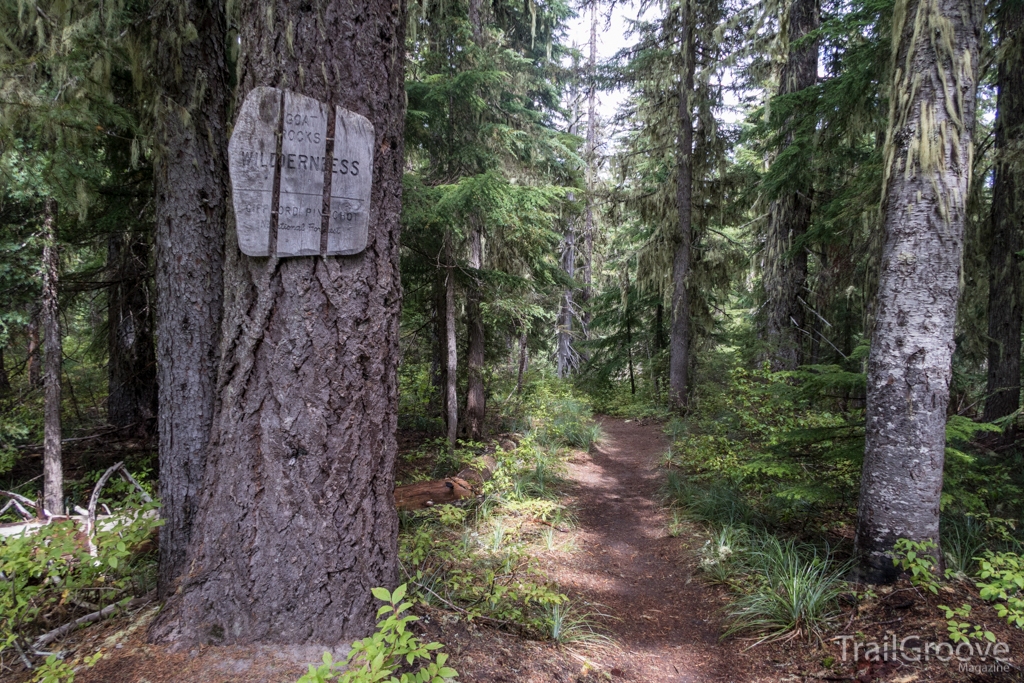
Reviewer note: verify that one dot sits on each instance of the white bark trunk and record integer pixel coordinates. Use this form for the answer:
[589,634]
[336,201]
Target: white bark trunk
[928,167]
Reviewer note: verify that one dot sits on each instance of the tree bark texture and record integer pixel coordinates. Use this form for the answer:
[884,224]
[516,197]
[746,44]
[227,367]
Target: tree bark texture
[590,158]
[476,406]
[451,400]
[927,175]
[476,21]
[1005,287]
[789,216]
[53,473]
[296,522]
[439,361]
[190,175]
[524,359]
[5,380]
[131,365]
[35,365]
[565,353]
[679,337]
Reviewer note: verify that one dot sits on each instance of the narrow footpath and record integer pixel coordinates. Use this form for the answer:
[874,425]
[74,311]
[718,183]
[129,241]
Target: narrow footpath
[665,622]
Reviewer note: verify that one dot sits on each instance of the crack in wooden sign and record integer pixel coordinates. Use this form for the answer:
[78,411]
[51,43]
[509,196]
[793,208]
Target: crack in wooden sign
[284,143]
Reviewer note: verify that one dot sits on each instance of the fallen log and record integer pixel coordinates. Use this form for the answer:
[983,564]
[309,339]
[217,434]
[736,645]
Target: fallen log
[61,631]
[427,494]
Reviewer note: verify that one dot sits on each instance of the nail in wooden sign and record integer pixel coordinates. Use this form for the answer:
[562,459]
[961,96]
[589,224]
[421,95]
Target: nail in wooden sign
[300,181]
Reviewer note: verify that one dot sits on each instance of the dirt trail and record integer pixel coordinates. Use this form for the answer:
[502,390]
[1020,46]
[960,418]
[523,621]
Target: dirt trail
[665,621]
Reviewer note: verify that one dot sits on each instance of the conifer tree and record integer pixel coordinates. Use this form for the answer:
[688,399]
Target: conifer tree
[56,105]
[680,24]
[53,472]
[673,166]
[488,166]
[190,186]
[1006,291]
[927,171]
[789,214]
[296,521]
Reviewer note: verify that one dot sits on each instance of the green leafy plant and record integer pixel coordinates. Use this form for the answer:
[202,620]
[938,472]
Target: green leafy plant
[54,670]
[916,559]
[451,515]
[963,631]
[51,574]
[1001,580]
[383,655]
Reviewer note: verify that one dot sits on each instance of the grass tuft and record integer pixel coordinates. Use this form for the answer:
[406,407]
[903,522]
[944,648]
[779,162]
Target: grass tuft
[567,625]
[798,595]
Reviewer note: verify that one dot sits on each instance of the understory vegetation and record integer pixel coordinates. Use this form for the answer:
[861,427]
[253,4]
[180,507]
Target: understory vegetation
[795,243]
[56,577]
[766,468]
[476,558]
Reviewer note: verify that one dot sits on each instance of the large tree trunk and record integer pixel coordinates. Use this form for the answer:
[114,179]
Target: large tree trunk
[190,176]
[475,396]
[451,401]
[927,175]
[296,522]
[131,367]
[789,216]
[53,473]
[679,339]
[1005,287]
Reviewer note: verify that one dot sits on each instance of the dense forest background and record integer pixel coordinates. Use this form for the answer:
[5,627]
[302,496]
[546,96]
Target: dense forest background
[712,255]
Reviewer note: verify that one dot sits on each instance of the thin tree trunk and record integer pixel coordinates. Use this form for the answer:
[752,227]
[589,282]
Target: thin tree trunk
[629,352]
[439,362]
[5,380]
[475,21]
[53,473]
[476,407]
[565,364]
[679,341]
[789,216]
[296,522]
[524,359]
[927,176]
[131,365]
[190,178]
[1005,287]
[659,327]
[590,157]
[451,350]
[35,364]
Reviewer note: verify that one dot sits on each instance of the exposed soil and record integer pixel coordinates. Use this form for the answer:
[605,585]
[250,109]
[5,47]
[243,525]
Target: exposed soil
[664,621]
[639,583]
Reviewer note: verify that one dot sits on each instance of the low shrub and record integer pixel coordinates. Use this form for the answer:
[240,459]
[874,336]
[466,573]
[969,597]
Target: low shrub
[50,575]
[383,655]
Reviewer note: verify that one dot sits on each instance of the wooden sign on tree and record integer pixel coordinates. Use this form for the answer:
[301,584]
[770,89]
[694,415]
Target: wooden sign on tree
[300,178]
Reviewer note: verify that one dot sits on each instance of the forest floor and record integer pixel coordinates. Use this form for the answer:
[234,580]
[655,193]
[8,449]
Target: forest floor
[639,583]
[664,622]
